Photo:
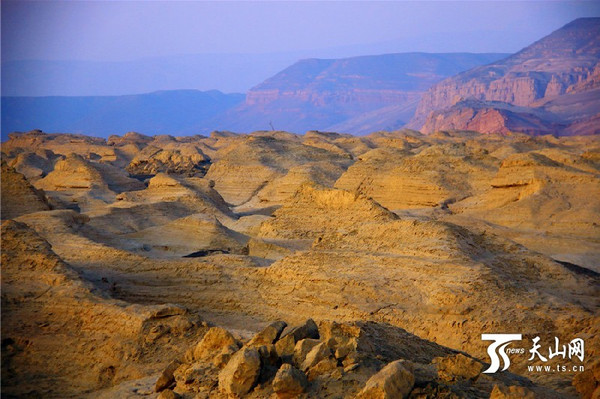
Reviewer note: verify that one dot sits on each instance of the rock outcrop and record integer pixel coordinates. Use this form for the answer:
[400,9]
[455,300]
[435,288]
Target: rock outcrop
[170,157]
[289,382]
[241,372]
[395,380]
[381,366]
[213,342]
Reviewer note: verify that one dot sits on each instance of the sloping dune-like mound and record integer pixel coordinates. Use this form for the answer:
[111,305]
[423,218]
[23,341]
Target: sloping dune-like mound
[171,216]
[244,168]
[18,196]
[55,329]
[278,190]
[193,234]
[34,165]
[401,179]
[171,188]
[312,211]
[75,179]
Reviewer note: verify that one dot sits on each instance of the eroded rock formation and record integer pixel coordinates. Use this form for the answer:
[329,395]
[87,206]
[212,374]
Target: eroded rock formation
[406,241]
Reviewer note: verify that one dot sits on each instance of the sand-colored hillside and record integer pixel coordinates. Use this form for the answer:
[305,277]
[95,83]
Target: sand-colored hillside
[61,337]
[19,197]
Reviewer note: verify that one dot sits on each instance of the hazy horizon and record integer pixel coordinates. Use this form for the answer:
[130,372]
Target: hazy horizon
[77,48]
[134,49]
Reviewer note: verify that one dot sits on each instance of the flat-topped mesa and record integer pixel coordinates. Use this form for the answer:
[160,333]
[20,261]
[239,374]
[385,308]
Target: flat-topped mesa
[357,94]
[361,79]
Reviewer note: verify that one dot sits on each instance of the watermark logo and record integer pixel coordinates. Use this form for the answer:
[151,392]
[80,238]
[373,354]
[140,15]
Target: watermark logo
[576,348]
[501,341]
[498,353]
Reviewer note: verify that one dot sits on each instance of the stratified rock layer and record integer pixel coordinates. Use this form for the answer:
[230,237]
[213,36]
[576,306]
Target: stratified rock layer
[551,86]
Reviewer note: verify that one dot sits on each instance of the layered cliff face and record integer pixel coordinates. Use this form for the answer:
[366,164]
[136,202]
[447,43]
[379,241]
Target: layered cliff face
[562,66]
[369,78]
[360,94]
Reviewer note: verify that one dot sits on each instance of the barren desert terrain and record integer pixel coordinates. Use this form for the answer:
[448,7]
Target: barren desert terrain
[273,264]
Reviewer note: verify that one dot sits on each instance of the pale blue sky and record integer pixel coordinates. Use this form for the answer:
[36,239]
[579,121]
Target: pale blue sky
[126,30]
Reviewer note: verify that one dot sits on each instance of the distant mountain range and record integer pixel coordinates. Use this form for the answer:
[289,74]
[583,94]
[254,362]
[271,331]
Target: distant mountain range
[551,86]
[354,95]
[181,112]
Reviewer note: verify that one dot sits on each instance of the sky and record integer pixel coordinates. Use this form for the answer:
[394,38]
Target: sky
[128,30]
[91,48]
